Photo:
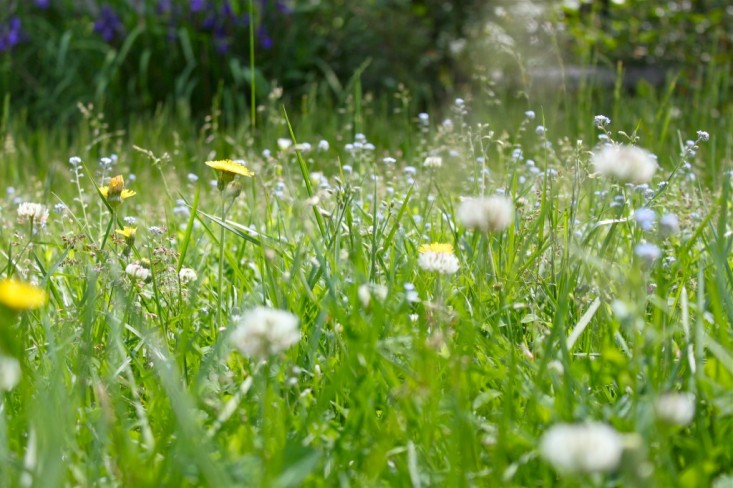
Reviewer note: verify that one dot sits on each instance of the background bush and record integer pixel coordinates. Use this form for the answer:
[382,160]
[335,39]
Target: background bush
[134,56]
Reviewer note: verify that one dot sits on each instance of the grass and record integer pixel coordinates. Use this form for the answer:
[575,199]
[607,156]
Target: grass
[441,380]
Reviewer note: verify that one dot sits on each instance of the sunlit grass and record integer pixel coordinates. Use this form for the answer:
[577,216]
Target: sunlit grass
[574,307]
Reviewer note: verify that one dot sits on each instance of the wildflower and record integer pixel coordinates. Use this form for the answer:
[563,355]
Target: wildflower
[645,217]
[582,448]
[626,163]
[540,130]
[304,147]
[323,145]
[192,177]
[438,258]
[601,121]
[35,213]
[265,331]
[137,271]
[669,224]
[284,144]
[433,162]
[9,372]
[492,214]
[115,192]
[675,408]
[703,136]
[187,275]
[227,170]
[647,252]
[366,291]
[21,296]
[128,233]
[529,114]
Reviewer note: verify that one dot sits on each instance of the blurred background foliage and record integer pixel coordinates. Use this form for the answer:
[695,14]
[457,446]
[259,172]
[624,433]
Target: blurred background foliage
[133,57]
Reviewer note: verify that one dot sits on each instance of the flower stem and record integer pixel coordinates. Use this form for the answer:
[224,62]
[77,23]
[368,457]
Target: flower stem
[220,291]
[109,229]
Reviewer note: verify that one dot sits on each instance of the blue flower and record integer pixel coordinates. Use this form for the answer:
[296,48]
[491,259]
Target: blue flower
[108,24]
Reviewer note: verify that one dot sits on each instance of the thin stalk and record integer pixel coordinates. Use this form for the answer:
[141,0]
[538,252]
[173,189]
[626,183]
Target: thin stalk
[109,229]
[221,267]
[252,84]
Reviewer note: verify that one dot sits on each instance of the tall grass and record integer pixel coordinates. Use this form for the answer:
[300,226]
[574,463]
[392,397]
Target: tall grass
[435,380]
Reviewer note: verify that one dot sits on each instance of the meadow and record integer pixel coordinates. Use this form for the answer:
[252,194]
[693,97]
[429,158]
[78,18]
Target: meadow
[499,292]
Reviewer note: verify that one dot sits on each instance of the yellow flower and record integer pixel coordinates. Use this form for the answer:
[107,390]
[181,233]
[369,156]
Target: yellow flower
[229,166]
[116,192]
[19,296]
[436,247]
[127,232]
[228,169]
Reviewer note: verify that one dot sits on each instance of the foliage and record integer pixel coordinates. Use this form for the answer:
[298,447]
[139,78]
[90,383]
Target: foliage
[400,376]
[130,56]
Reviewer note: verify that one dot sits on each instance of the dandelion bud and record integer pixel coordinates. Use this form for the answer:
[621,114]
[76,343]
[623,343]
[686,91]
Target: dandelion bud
[233,189]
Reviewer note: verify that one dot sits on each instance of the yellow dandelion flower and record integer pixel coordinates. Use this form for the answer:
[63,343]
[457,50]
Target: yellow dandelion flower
[127,232]
[104,190]
[227,170]
[116,192]
[20,296]
[436,247]
[229,166]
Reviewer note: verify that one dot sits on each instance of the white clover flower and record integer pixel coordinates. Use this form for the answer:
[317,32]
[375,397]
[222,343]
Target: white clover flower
[265,331]
[582,448]
[187,275]
[433,162]
[675,408]
[284,144]
[304,147]
[438,258]
[137,272]
[10,372]
[35,213]
[629,164]
[492,214]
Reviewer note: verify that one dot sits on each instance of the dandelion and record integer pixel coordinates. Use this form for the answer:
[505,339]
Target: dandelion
[265,331]
[128,233]
[137,271]
[492,214]
[438,258]
[626,163]
[227,170]
[20,296]
[35,213]
[592,447]
[9,372]
[675,408]
[187,275]
[433,162]
[115,192]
